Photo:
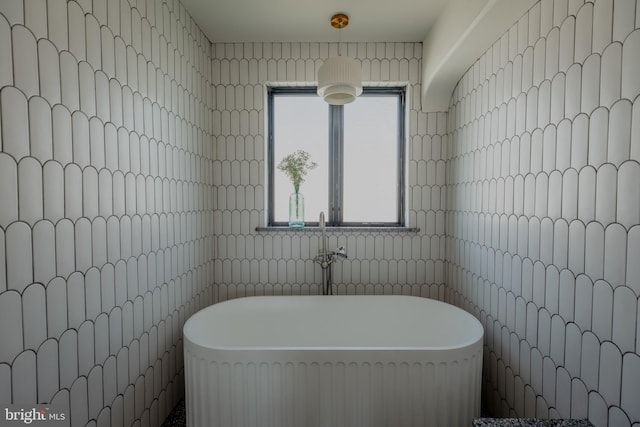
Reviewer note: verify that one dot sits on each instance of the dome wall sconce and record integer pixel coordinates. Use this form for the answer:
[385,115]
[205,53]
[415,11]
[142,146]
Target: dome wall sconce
[339,77]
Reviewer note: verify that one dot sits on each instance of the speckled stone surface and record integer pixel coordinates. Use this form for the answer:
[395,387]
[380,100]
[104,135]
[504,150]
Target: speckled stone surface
[528,422]
[177,417]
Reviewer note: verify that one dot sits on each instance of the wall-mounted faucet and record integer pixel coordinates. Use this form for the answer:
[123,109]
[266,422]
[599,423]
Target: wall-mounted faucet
[325,258]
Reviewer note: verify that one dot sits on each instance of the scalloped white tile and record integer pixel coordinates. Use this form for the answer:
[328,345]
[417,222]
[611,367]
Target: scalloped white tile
[83,245]
[56,307]
[615,255]
[594,250]
[590,362]
[633,250]
[591,83]
[105,192]
[6,62]
[557,98]
[65,248]
[25,60]
[65,113]
[566,52]
[15,122]
[80,135]
[75,300]
[573,89]
[611,74]
[49,71]
[53,189]
[631,66]
[101,335]
[92,293]
[47,369]
[94,392]
[601,318]
[30,196]
[57,23]
[19,258]
[610,373]
[79,401]
[630,370]
[24,380]
[587,194]
[624,315]
[62,135]
[109,380]
[120,50]
[102,94]
[40,129]
[96,138]
[68,358]
[34,315]
[85,348]
[94,43]
[606,186]
[115,102]
[585,228]
[3,273]
[582,93]
[8,190]
[11,325]
[69,81]
[90,197]
[619,132]
[118,194]
[76,29]
[72,192]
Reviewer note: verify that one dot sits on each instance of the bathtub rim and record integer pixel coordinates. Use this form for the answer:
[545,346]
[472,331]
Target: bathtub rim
[191,340]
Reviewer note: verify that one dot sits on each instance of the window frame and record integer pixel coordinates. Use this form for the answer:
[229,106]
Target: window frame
[336,155]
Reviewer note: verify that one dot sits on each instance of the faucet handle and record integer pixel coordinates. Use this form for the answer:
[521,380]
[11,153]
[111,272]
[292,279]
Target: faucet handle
[341,251]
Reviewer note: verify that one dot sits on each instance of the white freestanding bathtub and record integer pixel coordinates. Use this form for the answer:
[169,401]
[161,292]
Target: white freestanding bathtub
[332,361]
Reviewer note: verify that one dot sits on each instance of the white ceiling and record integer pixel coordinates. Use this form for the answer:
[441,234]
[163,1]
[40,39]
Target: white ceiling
[308,20]
[454,33]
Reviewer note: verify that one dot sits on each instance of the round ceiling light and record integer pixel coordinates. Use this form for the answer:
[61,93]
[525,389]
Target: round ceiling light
[339,77]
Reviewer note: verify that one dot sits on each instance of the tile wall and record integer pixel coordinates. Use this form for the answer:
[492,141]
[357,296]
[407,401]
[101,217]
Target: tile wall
[106,210]
[136,156]
[264,263]
[543,214]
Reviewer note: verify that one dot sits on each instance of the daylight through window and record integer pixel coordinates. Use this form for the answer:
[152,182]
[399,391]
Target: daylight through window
[359,149]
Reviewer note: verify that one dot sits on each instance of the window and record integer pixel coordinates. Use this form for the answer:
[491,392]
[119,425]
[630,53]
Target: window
[359,149]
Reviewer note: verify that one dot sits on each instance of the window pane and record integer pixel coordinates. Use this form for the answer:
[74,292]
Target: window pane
[371,160]
[301,123]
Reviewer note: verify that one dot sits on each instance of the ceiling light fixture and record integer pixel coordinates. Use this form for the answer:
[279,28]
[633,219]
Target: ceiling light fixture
[339,77]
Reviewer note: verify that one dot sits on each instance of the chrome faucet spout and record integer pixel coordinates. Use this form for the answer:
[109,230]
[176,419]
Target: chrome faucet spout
[322,224]
[325,258]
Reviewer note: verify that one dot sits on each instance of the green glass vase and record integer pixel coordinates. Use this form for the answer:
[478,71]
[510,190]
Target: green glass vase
[296,210]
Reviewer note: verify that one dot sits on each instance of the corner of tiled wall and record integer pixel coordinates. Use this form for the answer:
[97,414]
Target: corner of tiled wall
[106,209]
[255,263]
[132,150]
[543,219]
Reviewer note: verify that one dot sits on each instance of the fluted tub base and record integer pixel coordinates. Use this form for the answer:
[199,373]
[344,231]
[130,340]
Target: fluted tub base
[247,382]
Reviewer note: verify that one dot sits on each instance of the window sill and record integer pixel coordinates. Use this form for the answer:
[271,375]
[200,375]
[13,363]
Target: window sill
[316,229]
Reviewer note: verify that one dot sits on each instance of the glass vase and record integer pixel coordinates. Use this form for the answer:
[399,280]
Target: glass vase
[296,210]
